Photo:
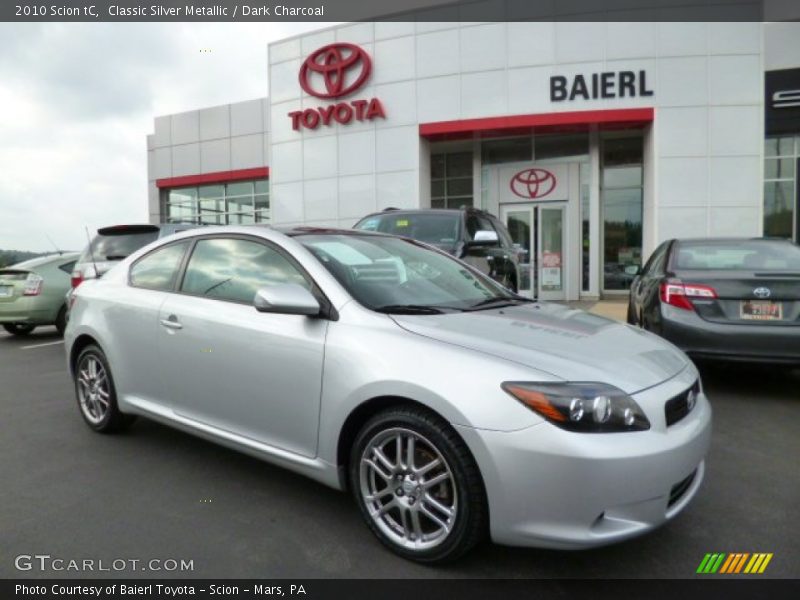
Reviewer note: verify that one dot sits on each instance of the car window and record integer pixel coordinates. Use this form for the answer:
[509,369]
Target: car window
[158,269]
[381,271]
[655,263]
[440,229]
[235,269]
[67,267]
[741,255]
[117,246]
[502,233]
[477,223]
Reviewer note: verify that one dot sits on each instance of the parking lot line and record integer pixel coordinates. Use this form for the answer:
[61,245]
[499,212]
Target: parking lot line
[41,345]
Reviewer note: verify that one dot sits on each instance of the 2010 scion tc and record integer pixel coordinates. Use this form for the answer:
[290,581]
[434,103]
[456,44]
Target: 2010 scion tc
[448,406]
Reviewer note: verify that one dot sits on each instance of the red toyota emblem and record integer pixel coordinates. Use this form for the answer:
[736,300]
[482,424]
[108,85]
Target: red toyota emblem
[533,183]
[342,68]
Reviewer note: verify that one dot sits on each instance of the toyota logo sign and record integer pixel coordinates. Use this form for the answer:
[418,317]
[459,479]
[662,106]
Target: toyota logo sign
[533,183]
[762,292]
[335,70]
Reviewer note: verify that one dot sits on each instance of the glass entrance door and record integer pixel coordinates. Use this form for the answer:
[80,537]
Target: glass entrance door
[521,225]
[550,253]
[538,236]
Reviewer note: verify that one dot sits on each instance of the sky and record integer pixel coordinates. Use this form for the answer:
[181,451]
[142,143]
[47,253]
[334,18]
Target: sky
[77,101]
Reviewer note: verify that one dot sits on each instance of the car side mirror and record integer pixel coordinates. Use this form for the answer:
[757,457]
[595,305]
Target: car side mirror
[633,270]
[484,237]
[286,299]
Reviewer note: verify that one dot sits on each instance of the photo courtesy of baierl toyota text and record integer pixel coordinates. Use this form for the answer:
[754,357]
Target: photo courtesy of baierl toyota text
[403,299]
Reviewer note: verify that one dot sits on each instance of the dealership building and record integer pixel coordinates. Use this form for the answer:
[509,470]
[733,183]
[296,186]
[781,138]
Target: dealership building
[593,142]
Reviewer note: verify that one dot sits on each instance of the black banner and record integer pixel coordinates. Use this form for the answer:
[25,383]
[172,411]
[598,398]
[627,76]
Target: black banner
[731,588]
[782,101]
[384,10]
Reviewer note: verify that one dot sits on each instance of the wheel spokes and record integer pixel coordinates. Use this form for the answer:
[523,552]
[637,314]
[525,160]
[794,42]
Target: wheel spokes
[399,471]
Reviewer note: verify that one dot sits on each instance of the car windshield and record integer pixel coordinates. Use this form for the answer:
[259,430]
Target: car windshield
[738,255]
[439,229]
[395,275]
[117,246]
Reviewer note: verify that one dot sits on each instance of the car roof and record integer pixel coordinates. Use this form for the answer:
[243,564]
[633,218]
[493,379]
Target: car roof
[426,211]
[730,240]
[39,261]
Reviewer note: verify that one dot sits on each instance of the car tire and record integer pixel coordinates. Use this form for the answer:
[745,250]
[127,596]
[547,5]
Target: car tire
[19,329]
[96,394]
[61,321]
[430,509]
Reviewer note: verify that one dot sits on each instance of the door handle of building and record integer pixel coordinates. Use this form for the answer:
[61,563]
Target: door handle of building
[171,323]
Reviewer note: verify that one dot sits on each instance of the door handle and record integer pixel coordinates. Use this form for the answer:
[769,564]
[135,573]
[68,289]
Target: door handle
[171,322]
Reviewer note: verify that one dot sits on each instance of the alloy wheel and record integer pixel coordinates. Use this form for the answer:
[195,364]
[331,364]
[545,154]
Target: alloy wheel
[94,391]
[408,489]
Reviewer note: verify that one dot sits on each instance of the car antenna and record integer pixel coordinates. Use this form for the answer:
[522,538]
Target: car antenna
[49,239]
[91,253]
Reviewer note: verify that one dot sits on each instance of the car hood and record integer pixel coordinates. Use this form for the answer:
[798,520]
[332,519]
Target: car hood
[570,344]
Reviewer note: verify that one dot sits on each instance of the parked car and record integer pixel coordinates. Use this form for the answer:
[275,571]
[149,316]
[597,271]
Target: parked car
[472,235]
[445,403]
[732,299]
[114,243]
[32,293]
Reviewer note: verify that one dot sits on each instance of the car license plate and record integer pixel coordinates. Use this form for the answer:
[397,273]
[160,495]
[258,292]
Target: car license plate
[6,291]
[761,310]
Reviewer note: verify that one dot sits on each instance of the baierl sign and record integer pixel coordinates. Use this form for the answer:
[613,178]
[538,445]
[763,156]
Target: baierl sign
[334,72]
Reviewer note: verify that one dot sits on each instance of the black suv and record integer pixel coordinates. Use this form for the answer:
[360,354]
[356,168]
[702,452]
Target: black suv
[474,236]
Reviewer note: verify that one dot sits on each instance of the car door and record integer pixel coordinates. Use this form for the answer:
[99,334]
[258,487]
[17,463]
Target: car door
[134,321]
[224,364]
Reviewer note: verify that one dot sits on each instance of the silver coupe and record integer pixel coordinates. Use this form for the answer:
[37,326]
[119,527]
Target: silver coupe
[448,406]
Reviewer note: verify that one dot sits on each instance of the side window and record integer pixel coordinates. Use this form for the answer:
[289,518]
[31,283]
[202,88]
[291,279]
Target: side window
[502,233]
[235,269]
[477,223]
[655,263]
[68,267]
[158,269]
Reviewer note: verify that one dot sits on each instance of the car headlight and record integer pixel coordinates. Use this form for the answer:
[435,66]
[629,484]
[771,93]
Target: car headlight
[584,407]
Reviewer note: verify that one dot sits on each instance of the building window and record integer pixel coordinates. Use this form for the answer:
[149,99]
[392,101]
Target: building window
[781,162]
[561,146]
[238,202]
[451,180]
[509,150]
[621,194]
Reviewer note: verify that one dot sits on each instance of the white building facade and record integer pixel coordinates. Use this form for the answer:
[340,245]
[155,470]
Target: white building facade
[593,142]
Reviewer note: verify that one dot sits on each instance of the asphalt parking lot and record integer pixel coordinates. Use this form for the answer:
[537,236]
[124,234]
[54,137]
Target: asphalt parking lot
[157,493]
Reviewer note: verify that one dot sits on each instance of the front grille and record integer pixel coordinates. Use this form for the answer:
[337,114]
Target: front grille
[678,407]
[680,488]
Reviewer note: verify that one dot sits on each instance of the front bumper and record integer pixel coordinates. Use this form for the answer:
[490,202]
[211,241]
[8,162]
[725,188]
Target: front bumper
[752,342]
[551,488]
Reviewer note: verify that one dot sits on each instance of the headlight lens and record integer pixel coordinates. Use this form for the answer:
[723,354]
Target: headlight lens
[584,407]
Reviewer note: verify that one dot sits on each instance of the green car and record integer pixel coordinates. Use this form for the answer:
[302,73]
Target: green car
[32,293]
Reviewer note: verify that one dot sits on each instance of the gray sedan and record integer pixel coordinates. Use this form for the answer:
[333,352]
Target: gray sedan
[448,406]
[723,299]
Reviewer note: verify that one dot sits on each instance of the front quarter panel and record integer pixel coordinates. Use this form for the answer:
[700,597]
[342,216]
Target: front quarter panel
[368,356]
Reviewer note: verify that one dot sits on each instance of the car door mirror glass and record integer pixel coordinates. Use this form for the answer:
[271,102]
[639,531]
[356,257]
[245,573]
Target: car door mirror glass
[287,299]
[484,237]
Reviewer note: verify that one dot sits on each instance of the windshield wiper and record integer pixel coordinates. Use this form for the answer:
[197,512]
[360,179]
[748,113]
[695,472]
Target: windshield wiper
[500,301]
[116,256]
[409,309]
